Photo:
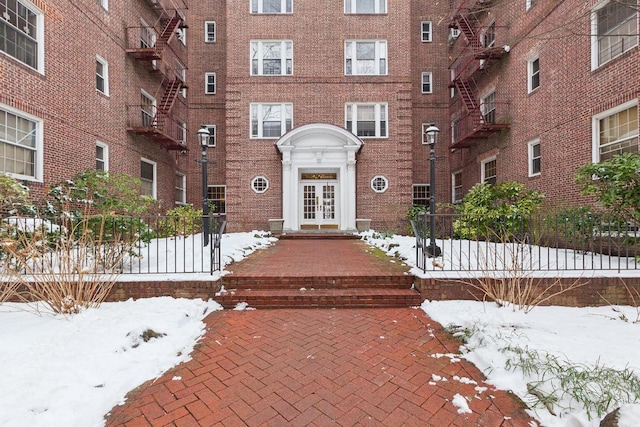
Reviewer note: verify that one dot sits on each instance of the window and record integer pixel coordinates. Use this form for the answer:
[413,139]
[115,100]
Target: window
[614,29]
[379,184]
[180,189]
[181,34]
[427,85]
[259,184]
[104,4]
[534,158]
[367,120]
[425,31]
[529,4]
[367,57]
[210,83]
[147,178]
[365,6]
[489,170]
[209,31]
[488,107]
[421,194]
[616,132]
[216,195]
[271,120]
[272,58]
[271,6]
[488,38]
[456,187]
[147,109]
[212,135]
[22,33]
[20,144]
[533,72]
[102,156]
[102,75]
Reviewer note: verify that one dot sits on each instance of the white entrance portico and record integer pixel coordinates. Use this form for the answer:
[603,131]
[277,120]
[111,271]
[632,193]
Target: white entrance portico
[319,177]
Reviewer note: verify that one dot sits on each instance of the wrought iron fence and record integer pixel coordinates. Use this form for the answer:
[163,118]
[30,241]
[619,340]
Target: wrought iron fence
[544,243]
[111,244]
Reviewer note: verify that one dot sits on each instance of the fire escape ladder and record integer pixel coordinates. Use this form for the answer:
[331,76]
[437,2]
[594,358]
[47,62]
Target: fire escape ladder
[466,94]
[169,30]
[169,96]
[466,26]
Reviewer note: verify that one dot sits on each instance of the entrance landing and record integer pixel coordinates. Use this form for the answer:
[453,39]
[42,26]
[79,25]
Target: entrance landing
[315,272]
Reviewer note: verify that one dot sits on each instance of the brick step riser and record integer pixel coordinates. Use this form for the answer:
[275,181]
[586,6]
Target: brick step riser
[230,302]
[267,283]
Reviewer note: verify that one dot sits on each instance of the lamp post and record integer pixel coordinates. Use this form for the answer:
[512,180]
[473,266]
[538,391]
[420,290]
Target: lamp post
[203,138]
[431,134]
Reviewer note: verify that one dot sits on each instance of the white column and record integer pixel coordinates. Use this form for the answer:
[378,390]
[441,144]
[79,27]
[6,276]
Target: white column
[287,189]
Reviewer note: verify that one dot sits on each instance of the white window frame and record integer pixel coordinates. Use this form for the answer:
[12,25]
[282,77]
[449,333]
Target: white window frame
[257,6]
[105,156]
[181,34]
[257,110]
[379,7]
[211,141]
[210,31]
[254,182]
[487,107]
[351,111]
[596,127]
[379,179]
[38,149]
[529,4]
[150,115]
[182,189]
[257,49]
[532,158]
[426,80]
[455,185]
[104,4]
[380,54]
[483,167]
[426,35]
[104,76]
[182,132]
[154,183]
[531,74]
[39,39]
[208,84]
[595,42]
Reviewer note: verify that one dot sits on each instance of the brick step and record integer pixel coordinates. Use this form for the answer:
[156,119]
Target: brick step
[318,235]
[397,281]
[320,298]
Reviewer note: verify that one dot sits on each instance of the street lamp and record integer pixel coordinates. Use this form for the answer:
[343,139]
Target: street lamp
[203,138]
[431,136]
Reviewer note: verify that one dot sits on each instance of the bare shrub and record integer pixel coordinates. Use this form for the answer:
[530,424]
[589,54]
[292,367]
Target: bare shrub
[508,277]
[61,266]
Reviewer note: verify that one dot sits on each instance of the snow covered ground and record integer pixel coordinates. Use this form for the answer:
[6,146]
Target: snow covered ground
[69,371]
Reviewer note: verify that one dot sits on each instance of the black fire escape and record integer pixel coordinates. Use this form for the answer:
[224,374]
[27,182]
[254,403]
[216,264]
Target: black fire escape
[475,118]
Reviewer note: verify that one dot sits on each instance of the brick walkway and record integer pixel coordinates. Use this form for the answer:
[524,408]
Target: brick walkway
[320,367]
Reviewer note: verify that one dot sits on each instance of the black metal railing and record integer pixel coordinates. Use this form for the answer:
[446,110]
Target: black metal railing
[111,244]
[545,243]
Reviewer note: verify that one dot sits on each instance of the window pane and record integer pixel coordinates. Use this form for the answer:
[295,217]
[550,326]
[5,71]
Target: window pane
[146,171]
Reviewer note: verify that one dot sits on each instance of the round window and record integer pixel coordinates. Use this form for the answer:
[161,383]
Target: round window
[379,184]
[259,184]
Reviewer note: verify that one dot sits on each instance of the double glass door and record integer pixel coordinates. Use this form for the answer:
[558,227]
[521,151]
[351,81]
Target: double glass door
[319,207]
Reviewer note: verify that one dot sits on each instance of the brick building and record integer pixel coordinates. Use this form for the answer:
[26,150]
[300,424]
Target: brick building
[317,108]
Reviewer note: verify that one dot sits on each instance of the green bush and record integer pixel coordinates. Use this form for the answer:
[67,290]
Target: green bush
[496,211]
[614,183]
[183,220]
[14,196]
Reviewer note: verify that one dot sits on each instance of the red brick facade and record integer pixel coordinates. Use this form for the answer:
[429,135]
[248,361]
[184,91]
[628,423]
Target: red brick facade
[559,113]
